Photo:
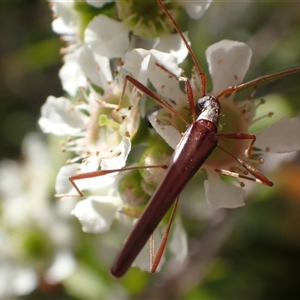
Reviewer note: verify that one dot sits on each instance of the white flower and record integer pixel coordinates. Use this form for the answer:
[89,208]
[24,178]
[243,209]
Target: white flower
[87,56]
[228,63]
[29,216]
[99,136]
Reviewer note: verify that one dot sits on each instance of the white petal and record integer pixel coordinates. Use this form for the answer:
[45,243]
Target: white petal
[71,74]
[98,4]
[166,85]
[195,9]
[228,63]
[220,194]
[282,136]
[136,63]
[96,214]
[10,175]
[63,266]
[167,60]
[61,117]
[104,70]
[66,21]
[63,185]
[178,244]
[120,160]
[104,184]
[107,37]
[95,67]
[16,281]
[274,160]
[171,135]
[173,44]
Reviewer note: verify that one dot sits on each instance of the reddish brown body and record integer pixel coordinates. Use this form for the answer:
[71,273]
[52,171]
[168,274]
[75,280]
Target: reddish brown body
[194,148]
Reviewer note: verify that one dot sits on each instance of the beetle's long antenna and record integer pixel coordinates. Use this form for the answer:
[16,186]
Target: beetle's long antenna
[189,48]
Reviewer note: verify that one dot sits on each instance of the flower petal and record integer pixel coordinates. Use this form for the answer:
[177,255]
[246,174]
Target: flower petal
[63,185]
[96,214]
[103,184]
[66,21]
[178,244]
[107,37]
[120,160]
[282,136]
[195,9]
[136,63]
[61,117]
[98,4]
[228,63]
[63,266]
[166,85]
[220,194]
[171,135]
[173,44]
[95,67]
[16,281]
[71,74]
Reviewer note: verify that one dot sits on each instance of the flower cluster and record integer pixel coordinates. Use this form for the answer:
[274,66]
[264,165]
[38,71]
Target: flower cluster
[103,116]
[36,237]
[99,132]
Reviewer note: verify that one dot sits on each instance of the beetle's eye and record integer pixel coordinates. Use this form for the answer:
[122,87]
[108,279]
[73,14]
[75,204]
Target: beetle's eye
[201,104]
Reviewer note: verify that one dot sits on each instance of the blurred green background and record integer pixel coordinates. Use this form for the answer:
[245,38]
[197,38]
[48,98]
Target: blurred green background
[260,257]
[29,64]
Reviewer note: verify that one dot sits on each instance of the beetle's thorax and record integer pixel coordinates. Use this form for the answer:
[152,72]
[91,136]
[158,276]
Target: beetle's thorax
[209,108]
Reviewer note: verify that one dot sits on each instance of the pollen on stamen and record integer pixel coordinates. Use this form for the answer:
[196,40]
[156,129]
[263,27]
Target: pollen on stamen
[260,102]
[268,115]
